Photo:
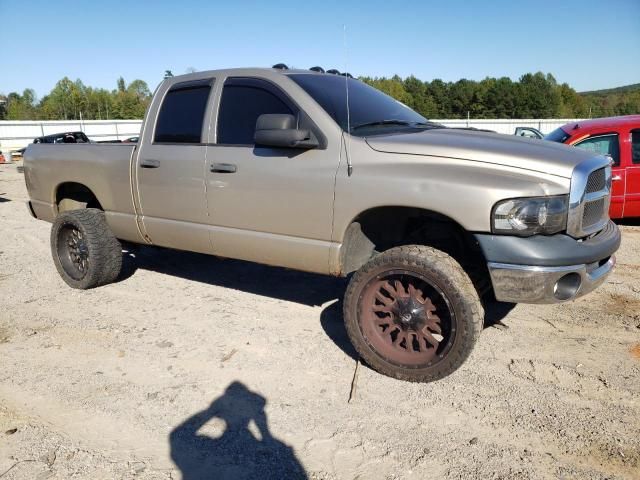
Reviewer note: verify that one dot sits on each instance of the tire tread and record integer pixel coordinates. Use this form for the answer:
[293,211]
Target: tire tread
[105,249]
[458,288]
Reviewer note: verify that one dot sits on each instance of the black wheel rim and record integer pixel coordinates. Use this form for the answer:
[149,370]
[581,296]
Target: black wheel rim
[73,252]
[406,319]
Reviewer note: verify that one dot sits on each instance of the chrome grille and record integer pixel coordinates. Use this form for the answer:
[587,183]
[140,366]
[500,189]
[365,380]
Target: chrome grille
[597,181]
[593,213]
[589,197]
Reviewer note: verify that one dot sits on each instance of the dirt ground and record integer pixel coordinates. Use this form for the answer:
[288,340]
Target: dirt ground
[198,367]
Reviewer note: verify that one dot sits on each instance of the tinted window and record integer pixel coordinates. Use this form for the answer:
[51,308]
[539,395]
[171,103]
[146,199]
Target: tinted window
[366,104]
[603,145]
[80,137]
[558,135]
[182,114]
[635,146]
[240,107]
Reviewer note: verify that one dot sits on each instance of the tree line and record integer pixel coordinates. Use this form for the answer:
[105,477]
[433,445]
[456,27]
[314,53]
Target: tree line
[533,95]
[69,100]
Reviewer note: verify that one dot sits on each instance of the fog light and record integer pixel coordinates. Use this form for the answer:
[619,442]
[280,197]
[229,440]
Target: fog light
[567,287]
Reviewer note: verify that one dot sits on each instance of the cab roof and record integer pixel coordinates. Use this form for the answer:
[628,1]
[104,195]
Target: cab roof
[598,123]
[248,71]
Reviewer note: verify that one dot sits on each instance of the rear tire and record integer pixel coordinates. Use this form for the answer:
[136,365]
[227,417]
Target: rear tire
[85,251]
[412,313]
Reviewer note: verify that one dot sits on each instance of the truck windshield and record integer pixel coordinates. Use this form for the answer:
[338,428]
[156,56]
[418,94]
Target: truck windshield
[370,110]
[558,135]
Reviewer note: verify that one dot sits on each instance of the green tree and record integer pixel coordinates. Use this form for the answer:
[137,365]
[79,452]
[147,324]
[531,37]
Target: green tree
[461,96]
[130,101]
[421,101]
[501,98]
[59,103]
[139,89]
[439,91]
[571,104]
[21,107]
[3,107]
[121,84]
[538,96]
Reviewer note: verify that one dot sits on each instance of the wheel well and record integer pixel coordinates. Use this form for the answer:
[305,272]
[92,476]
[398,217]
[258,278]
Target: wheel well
[72,196]
[382,228]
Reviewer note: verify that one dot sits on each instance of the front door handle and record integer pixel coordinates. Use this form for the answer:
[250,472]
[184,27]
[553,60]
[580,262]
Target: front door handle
[150,163]
[616,178]
[223,168]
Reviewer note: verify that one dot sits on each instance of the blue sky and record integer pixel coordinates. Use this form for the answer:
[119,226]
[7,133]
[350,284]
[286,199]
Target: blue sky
[588,44]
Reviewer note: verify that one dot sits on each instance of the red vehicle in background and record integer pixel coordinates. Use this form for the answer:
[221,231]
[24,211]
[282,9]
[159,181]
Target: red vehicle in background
[619,138]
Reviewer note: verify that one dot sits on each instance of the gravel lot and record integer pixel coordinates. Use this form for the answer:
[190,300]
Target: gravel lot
[198,367]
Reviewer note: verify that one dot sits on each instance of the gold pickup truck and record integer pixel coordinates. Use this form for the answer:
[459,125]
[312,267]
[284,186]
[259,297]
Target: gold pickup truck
[322,173]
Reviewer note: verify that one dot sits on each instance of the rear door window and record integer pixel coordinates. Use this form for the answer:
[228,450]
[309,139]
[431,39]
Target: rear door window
[606,144]
[635,147]
[182,113]
[243,101]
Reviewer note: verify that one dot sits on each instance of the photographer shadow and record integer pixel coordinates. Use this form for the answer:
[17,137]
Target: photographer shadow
[237,454]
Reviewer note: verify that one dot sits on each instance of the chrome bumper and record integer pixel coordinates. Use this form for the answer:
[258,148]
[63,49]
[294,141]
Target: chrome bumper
[531,284]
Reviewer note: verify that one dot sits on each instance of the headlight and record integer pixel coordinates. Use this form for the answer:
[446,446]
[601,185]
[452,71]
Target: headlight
[529,216]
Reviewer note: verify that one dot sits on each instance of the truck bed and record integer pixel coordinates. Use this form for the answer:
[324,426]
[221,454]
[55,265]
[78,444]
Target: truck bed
[104,168]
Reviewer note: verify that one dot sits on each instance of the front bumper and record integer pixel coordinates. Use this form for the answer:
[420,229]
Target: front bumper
[548,269]
[534,284]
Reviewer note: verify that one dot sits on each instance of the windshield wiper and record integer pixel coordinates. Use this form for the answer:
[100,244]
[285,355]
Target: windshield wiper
[429,124]
[426,124]
[382,122]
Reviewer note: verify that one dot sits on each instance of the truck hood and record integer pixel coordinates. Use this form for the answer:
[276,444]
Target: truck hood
[529,154]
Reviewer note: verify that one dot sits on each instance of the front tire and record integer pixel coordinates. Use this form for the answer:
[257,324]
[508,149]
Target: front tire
[85,251]
[412,313]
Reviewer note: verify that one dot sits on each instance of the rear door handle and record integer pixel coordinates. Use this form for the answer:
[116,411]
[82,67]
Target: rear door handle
[223,168]
[150,163]
[616,178]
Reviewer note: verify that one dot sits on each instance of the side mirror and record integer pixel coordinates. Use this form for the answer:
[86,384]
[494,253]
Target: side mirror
[279,130]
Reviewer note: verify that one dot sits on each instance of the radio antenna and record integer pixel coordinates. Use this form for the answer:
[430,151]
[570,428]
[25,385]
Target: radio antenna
[346,83]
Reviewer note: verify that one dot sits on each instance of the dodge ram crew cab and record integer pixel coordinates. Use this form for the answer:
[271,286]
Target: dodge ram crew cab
[322,173]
